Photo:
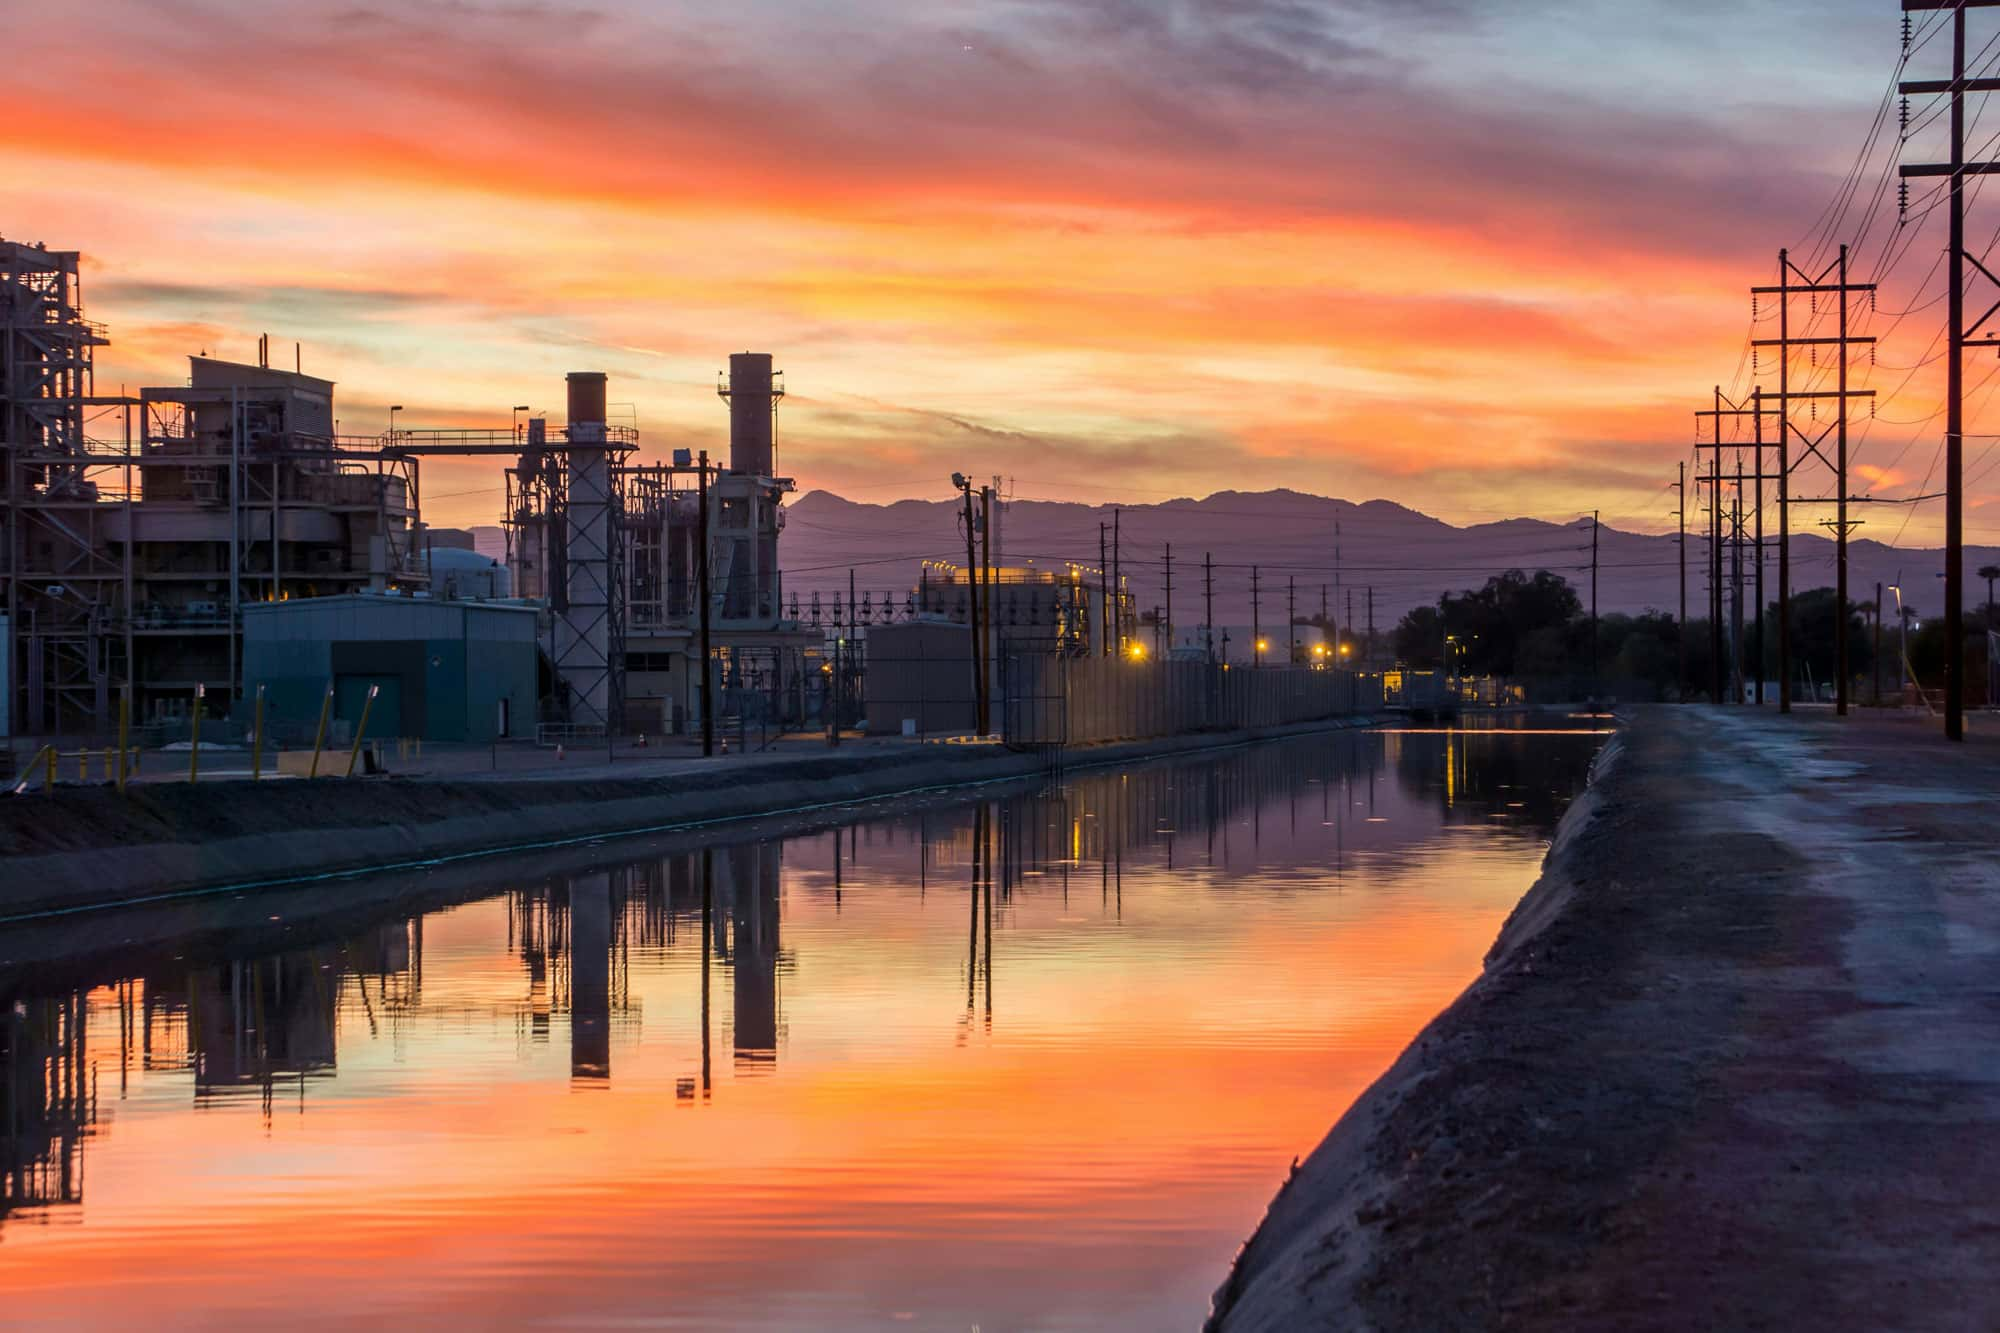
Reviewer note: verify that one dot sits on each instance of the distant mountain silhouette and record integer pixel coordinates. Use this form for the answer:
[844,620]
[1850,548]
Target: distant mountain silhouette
[1407,557]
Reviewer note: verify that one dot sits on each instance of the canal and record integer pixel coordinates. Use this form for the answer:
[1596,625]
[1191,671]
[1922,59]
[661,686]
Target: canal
[1033,1061]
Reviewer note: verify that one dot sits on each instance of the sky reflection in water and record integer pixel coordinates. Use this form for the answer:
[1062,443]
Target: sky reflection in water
[877,1097]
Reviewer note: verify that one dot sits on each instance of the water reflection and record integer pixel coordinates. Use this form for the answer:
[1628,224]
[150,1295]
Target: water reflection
[965,1049]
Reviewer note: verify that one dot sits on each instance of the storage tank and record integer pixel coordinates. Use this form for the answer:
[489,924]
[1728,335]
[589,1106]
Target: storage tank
[750,400]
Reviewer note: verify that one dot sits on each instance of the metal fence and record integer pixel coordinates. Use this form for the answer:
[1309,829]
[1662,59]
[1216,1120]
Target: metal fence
[1047,701]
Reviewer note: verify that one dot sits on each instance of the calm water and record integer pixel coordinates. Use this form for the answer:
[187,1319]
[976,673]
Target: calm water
[1035,1063]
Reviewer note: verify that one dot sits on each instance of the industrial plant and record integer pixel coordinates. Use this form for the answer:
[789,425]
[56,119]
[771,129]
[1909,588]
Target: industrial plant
[156,549]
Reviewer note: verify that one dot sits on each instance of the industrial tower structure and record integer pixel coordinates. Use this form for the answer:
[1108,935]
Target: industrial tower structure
[133,530]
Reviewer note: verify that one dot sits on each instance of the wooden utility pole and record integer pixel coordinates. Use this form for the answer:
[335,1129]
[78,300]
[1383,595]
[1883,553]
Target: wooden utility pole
[1736,583]
[1594,676]
[1256,623]
[1957,169]
[701,579]
[1681,635]
[1169,627]
[1291,620]
[1208,605]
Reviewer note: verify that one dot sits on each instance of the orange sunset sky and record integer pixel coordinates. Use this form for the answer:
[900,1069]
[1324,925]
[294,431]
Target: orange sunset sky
[1484,259]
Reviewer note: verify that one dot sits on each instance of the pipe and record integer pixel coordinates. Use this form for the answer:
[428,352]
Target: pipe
[361,728]
[124,735]
[194,735]
[257,743]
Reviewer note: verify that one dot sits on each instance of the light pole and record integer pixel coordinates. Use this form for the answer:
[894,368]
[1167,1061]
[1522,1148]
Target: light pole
[517,420]
[1903,653]
[394,408]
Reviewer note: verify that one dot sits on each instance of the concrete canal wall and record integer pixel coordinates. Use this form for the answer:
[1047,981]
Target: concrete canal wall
[83,847]
[1732,1063]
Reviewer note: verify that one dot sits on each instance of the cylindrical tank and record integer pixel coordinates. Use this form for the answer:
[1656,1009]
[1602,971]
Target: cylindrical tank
[586,397]
[750,413]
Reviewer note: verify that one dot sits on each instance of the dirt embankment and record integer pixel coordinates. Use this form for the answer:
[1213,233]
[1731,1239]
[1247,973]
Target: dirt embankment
[1701,1082]
[89,846]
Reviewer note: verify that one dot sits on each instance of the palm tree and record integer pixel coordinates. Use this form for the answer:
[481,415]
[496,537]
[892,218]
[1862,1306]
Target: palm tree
[1989,573]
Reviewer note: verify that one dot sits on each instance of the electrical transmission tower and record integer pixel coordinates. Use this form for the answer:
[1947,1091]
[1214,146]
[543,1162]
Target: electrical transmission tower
[1955,170]
[1753,408]
[1831,280]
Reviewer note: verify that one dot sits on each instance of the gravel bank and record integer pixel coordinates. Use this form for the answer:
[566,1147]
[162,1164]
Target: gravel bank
[1733,1063]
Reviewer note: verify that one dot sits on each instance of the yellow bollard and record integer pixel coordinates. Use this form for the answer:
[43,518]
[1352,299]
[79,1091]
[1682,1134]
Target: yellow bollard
[194,735]
[83,764]
[257,743]
[49,778]
[361,728]
[124,736]
[319,738]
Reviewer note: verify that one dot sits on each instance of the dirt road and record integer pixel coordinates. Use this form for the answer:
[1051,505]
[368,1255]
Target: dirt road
[1735,1063]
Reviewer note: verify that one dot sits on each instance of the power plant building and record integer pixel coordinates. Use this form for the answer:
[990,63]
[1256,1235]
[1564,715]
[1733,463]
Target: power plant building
[139,534]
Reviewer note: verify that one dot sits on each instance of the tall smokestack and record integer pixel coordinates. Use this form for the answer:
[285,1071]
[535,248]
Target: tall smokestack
[581,630]
[750,399]
[586,398]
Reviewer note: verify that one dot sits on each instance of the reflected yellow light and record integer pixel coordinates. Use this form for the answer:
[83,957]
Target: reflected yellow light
[1138,651]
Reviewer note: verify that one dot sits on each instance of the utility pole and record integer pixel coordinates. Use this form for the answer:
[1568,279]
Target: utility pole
[986,607]
[1594,681]
[972,605]
[1169,622]
[1736,583]
[833,685]
[1814,285]
[1681,635]
[1954,430]
[1717,602]
[1758,604]
[846,672]
[1117,590]
[1291,620]
[701,580]
[1713,480]
[1208,605]
[1105,597]
[1371,625]
[1336,568]
[1256,623]
[1784,500]
[1349,622]
[1840,524]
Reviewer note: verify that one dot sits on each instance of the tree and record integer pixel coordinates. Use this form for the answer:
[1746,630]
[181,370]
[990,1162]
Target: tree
[1420,638]
[1815,651]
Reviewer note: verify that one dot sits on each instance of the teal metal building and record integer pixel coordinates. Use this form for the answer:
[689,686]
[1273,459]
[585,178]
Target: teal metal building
[444,670]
